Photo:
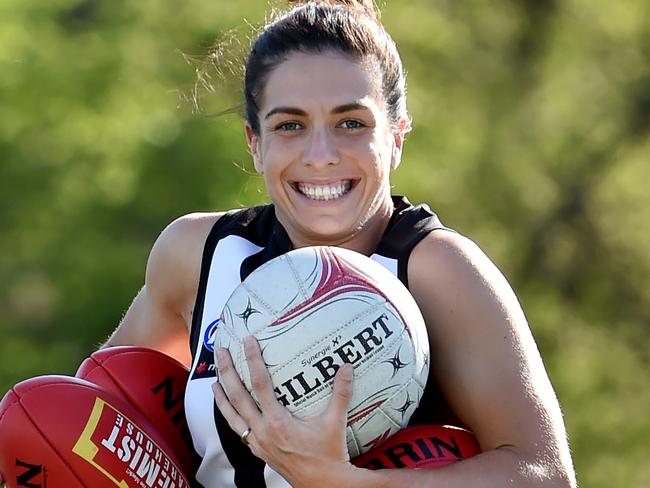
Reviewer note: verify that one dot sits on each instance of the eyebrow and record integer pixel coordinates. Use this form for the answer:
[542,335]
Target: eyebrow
[285,110]
[348,107]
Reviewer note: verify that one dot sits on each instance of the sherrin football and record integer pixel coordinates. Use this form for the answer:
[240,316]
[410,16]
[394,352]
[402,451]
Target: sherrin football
[154,384]
[316,308]
[58,431]
[421,446]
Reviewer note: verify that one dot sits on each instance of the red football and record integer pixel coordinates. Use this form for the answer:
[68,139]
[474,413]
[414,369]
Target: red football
[421,446]
[154,384]
[58,431]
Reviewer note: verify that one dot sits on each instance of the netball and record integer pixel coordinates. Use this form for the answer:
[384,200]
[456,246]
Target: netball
[316,308]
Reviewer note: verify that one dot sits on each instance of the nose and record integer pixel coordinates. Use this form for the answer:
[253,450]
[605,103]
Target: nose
[321,149]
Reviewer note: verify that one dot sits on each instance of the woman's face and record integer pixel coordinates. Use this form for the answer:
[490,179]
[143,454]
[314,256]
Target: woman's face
[326,149]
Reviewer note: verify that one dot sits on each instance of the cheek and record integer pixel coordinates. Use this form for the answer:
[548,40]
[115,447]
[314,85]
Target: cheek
[275,164]
[381,155]
[279,152]
[366,150]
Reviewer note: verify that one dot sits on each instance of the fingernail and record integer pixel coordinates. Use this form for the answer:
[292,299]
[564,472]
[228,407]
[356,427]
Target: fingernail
[249,345]
[220,354]
[347,371]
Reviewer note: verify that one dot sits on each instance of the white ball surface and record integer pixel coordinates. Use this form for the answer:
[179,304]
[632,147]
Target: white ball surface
[315,308]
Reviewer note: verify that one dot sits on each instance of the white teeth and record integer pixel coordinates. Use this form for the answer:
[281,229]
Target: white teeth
[324,192]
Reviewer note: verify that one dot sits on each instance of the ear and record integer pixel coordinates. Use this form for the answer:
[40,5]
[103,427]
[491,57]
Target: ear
[396,155]
[398,142]
[253,141]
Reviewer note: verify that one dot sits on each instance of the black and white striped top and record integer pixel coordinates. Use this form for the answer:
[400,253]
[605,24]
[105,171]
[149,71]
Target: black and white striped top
[239,242]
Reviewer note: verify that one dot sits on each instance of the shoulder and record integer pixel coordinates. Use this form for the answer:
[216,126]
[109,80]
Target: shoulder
[444,254]
[174,263]
[185,234]
[179,247]
[448,272]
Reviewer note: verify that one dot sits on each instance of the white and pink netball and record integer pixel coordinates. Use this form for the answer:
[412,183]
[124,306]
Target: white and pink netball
[316,308]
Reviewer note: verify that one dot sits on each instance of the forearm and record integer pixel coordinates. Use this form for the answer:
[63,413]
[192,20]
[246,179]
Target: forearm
[493,469]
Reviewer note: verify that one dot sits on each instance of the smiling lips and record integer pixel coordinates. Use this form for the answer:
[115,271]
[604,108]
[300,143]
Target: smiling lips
[329,191]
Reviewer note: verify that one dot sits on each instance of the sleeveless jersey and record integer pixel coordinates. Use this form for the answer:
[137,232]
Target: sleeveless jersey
[239,242]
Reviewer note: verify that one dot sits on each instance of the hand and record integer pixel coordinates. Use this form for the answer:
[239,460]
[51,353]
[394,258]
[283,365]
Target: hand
[296,448]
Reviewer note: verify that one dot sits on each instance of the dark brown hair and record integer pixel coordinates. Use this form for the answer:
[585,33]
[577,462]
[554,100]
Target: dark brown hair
[351,27]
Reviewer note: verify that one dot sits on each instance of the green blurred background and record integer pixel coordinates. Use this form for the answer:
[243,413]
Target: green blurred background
[531,136]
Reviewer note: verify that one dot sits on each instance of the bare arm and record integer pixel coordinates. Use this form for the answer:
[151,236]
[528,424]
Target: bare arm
[488,366]
[161,313]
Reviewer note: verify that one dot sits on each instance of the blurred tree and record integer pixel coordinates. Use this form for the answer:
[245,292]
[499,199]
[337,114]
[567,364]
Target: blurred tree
[531,123]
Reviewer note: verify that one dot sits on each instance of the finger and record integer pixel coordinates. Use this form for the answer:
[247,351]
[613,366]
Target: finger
[234,420]
[341,392]
[259,374]
[236,393]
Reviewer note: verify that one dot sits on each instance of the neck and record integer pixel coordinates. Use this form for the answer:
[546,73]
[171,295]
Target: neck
[364,239]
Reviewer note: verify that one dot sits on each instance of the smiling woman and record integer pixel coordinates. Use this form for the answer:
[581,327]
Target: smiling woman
[326,149]
[325,123]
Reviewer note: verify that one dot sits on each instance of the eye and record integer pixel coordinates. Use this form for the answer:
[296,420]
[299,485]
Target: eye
[288,126]
[351,124]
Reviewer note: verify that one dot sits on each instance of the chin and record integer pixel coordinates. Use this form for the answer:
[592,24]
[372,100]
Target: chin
[328,236]
[328,233]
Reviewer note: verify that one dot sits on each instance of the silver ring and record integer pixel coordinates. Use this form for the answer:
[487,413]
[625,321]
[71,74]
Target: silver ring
[245,434]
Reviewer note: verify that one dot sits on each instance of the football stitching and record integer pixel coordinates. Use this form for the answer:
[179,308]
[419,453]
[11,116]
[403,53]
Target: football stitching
[100,365]
[11,405]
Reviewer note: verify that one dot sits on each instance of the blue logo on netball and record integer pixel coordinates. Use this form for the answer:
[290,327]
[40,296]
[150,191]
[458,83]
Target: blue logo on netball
[205,367]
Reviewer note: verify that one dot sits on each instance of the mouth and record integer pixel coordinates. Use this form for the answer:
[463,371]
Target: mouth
[324,191]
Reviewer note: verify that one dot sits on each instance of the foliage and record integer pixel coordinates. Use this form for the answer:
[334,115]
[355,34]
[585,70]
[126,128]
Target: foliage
[531,122]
